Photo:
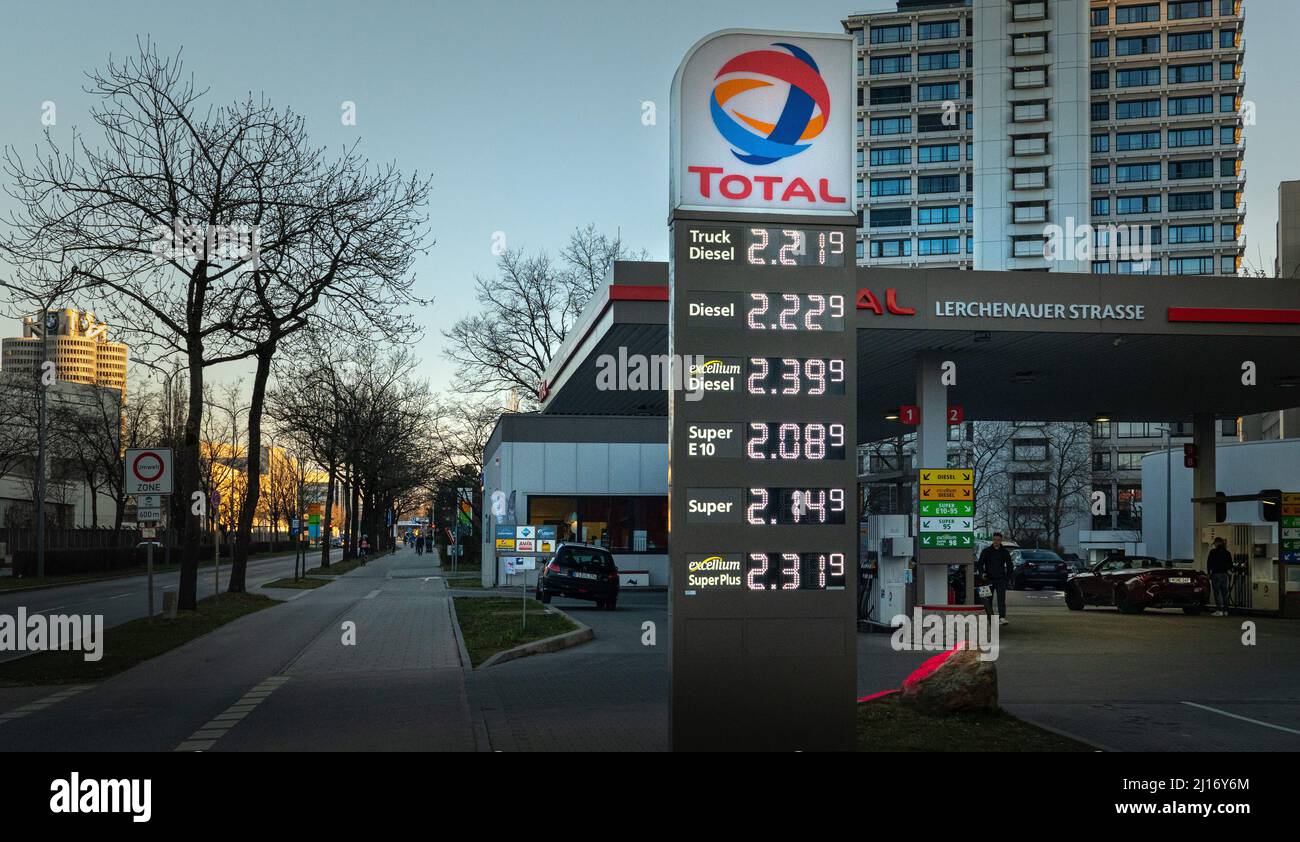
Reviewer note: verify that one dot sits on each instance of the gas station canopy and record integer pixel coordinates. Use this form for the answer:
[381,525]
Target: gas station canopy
[1027,345]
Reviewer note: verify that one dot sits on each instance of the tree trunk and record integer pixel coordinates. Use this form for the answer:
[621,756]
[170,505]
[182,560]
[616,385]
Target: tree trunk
[327,526]
[187,483]
[253,489]
[353,519]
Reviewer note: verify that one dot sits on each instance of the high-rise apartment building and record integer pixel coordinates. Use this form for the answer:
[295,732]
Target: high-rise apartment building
[984,125]
[75,342]
[1061,135]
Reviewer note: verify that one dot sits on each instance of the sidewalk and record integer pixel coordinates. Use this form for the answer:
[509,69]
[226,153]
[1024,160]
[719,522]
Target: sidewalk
[282,679]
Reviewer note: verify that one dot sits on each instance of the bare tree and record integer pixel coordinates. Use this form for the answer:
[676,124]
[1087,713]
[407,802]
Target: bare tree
[526,311]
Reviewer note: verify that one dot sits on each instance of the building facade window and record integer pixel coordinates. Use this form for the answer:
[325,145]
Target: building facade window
[619,524]
[1183,74]
[1145,13]
[938,29]
[1181,42]
[1137,77]
[938,153]
[891,155]
[890,217]
[891,248]
[948,60]
[938,245]
[881,65]
[894,34]
[890,126]
[1127,141]
[1137,45]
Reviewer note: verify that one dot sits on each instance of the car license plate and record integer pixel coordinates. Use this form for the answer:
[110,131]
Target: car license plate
[584,575]
[1179,580]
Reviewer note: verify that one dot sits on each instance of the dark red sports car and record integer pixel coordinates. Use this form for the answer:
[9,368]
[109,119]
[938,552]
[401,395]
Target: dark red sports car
[1134,583]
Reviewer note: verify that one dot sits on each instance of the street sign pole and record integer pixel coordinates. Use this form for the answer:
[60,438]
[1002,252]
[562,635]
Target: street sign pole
[148,564]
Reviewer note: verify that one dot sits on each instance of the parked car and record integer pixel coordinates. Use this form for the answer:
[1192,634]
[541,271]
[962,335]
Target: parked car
[1038,569]
[1135,583]
[579,571]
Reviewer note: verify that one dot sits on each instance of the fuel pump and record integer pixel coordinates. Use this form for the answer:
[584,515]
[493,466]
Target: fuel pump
[1255,582]
[886,569]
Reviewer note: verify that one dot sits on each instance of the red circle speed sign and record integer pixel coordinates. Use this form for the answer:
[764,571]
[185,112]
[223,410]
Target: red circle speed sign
[147,467]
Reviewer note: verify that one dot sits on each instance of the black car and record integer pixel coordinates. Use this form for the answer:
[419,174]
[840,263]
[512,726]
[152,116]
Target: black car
[1038,569]
[579,571]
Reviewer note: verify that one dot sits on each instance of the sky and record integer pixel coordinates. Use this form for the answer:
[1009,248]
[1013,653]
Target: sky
[527,115]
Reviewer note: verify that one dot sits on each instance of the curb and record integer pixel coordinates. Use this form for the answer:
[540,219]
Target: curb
[581,634]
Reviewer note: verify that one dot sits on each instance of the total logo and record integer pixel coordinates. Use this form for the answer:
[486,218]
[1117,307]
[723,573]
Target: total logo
[803,116]
[758,130]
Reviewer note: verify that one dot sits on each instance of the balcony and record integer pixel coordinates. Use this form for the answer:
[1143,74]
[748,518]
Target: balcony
[1029,213]
[1027,248]
[1027,79]
[1028,45]
[1029,180]
[1021,12]
[1022,146]
[1030,112]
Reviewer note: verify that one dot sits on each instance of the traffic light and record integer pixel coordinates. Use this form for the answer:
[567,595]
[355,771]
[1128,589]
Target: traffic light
[1268,504]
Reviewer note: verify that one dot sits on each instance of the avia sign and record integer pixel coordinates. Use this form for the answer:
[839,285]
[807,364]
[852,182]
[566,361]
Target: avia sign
[762,123]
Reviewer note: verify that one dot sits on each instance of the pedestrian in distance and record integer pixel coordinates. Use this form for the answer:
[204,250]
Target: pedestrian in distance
[419,545]
[365,549]
[996,565]
[1219,564]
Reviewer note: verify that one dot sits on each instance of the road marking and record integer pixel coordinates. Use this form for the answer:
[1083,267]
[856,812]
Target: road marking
[1243,718]
[42,703]
[207,736]
[376,593]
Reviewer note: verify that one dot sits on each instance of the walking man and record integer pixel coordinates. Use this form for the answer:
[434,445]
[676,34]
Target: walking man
[1218,564]
[995,563]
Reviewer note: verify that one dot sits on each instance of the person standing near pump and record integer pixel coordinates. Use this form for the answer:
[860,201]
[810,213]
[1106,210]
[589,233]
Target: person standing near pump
[1219,564]
[996,565]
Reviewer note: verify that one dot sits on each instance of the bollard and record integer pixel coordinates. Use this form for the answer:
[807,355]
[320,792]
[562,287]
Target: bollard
[169,604]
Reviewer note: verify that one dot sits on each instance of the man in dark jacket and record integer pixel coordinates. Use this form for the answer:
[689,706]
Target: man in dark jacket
[996,565]
[1218,564]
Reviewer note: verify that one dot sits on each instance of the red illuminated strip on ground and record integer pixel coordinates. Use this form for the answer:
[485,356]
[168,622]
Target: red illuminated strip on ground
[1234,315]
[633,292]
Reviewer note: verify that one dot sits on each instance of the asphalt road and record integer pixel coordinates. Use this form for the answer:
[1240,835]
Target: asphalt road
[287,679]
[127,598]
[1157,681]
[610,694]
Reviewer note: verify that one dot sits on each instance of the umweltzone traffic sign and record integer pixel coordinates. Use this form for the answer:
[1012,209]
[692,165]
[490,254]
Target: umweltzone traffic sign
[148,471]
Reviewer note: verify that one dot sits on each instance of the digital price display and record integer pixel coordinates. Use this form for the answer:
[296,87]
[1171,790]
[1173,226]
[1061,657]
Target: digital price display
[793,440]
[795,311]
[771,247]
[794,571]
[794,376]
[794,506]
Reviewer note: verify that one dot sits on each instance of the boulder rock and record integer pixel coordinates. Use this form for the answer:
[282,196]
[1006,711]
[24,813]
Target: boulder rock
[956,680]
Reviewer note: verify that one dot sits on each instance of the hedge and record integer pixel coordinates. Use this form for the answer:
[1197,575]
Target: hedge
[105,560]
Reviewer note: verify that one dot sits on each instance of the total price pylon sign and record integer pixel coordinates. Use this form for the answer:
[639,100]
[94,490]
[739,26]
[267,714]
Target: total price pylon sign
[947,508]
